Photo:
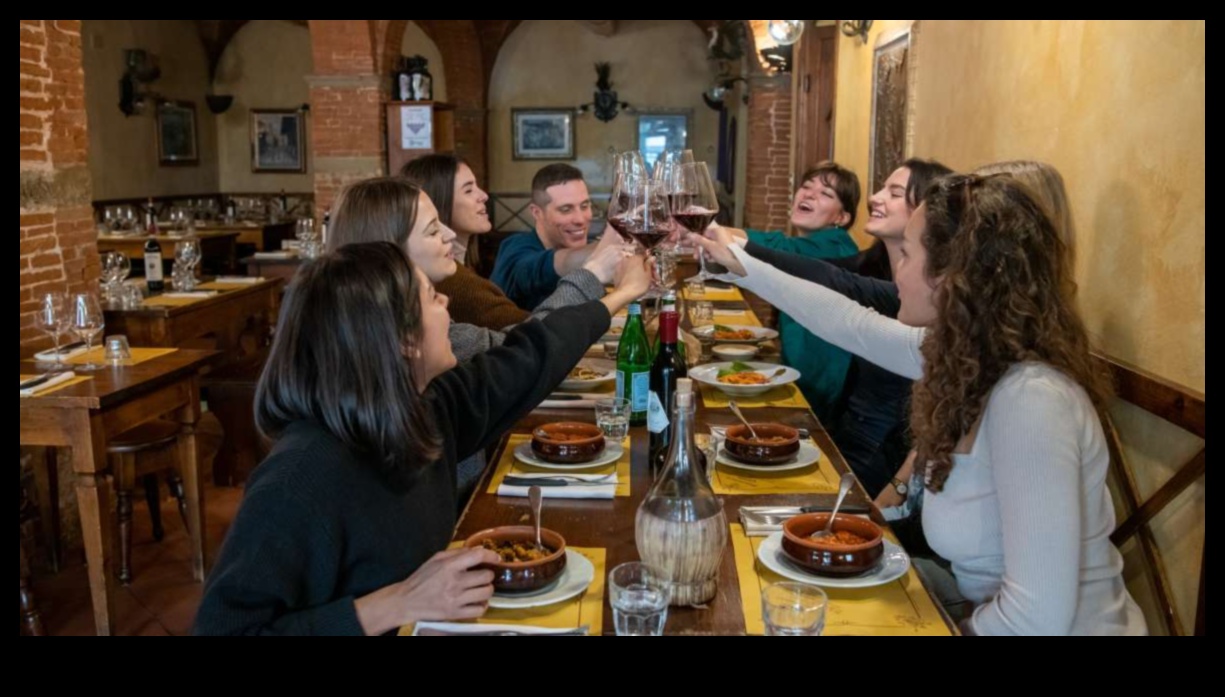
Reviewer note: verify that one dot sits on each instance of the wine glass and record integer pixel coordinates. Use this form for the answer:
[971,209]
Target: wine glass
[54,319]
[87,322]
[628,171]
[187,254]
[115,269]
[694,205]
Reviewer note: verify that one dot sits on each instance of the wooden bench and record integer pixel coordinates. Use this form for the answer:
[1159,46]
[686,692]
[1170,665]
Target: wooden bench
[1183,408]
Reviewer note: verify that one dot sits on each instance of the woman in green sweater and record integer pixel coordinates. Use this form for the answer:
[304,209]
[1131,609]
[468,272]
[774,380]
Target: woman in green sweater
[822,211]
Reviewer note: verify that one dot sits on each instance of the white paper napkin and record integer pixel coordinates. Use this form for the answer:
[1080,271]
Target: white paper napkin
[49,354]
[190,294]
[456,628]
[605,489]
[62,377]
[251,280]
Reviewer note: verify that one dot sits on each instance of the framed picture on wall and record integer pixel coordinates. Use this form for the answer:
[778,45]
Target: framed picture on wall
[278,140]
[890,102]
[542,134]
[176,134]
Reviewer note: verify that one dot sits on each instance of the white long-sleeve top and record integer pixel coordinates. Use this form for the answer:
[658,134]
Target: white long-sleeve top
[1025,517]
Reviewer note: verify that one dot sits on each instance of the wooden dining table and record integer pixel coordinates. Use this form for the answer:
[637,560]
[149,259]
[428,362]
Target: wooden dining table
[217,247]
[610,524]
[85,415]
[236,321]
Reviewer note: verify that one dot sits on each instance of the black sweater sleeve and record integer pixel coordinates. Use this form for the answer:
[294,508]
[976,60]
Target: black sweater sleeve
[482,398]
[870,292]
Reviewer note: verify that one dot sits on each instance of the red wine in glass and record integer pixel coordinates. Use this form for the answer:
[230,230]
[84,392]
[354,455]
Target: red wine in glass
[622,226]
[649,238]
[694,221]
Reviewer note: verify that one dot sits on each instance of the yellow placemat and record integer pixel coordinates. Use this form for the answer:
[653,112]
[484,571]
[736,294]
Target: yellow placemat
[164,301]
[785,396]
[900,607]
[58,385]
[139,355]
[744,318]
[819,478]
[716,294]
[586,609]
[508,464]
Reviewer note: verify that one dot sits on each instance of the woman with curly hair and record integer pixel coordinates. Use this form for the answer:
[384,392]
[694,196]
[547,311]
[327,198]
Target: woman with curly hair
[1005,405]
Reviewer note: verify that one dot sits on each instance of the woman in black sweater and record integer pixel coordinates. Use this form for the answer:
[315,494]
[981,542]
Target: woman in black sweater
[341,527]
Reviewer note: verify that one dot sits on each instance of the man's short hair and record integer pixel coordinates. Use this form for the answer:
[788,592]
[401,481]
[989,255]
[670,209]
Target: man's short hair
[552,175]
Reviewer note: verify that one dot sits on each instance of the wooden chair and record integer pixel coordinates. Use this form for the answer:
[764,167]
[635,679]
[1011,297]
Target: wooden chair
[141,453]
[1183,408]
[31,620]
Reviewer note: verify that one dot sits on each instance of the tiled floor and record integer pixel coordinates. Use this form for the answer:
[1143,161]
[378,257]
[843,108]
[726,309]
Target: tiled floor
[162,598]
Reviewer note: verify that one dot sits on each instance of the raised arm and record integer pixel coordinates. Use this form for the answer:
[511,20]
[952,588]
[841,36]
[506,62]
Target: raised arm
[869,292]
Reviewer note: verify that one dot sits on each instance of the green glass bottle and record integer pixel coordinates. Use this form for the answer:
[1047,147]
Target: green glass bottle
[634,366]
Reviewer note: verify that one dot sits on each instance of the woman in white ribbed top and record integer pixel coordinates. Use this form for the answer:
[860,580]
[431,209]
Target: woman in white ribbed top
[1016,460]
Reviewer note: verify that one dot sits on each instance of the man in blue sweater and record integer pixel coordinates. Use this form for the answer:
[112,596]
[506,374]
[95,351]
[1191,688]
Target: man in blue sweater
[531,263]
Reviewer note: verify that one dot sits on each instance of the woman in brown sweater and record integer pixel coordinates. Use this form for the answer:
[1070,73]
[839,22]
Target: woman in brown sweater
[451,185]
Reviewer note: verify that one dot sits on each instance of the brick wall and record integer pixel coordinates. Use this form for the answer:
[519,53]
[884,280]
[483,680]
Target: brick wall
[768,199]
[58,246]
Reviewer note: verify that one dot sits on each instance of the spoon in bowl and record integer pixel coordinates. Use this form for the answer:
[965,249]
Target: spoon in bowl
[844,486]
[534,497]
[736,410]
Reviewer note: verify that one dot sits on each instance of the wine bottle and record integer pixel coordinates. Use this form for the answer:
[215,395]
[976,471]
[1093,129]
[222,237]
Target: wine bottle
[669,365]
[153,265]
[634,366]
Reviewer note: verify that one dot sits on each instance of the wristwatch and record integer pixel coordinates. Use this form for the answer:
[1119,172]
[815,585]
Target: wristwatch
[899,486]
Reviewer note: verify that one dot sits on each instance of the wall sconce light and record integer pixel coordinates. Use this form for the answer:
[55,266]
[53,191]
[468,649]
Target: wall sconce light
[604,100]
[714,95]
[778,57]
[857,27]
[785,31]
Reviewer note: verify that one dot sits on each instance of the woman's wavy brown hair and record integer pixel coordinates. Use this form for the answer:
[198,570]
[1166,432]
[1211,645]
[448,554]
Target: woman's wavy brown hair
[1004,294]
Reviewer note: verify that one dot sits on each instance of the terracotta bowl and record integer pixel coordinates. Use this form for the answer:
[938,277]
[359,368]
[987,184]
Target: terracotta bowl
[520,577]
[567,442]
[832,559]
[739,444]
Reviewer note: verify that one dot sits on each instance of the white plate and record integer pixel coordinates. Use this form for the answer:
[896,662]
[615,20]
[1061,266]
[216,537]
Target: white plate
[734,352]
[893,565]
[807,456]
[612,453]
[609,369]
[615,327]
[709,374]
[760,334]
[574,579]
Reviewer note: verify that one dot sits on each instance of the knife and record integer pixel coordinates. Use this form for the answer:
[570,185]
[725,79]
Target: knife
[35,382]
[70,347]
[512,480]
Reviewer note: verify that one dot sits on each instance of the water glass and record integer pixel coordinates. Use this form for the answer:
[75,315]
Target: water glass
[639,595]
[702,313]
[793,609]
[132,296]
[117,349]
[695,287]
[612,415]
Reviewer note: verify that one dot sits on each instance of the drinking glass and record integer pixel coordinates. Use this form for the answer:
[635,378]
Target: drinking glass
[639,595]
[87,322]
[793,609]
[54,318]
[694,205]
[612,415]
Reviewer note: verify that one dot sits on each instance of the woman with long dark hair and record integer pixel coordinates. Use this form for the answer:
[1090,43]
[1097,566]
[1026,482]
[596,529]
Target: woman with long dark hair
[1005,406]
[343,526]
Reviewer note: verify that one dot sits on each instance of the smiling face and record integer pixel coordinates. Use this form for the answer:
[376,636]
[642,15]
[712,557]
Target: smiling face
[563,222]
[434,356]
[915,288]
[429,242]
[816,206]
[469,216]
[888,209]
